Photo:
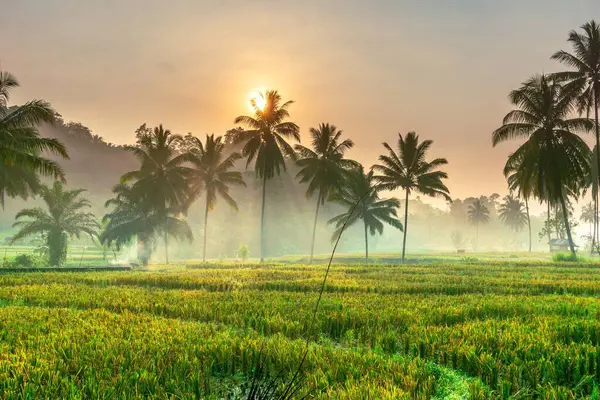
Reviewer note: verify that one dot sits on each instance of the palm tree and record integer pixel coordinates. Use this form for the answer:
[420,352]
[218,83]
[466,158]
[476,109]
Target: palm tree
[63,218]
[212,174]
[587,215]
[512,213]
[554,157]
[584,83]
[133,216]
[478,213]
[21,145]
[361,199]
[409,170]
[323,167]
[161,182]
[265,141]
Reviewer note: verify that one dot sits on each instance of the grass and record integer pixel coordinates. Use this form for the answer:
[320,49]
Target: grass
[435,330]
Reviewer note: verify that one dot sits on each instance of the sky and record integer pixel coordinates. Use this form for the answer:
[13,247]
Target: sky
[373,68]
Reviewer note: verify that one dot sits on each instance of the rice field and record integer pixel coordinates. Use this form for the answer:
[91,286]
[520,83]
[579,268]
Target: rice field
[498,329]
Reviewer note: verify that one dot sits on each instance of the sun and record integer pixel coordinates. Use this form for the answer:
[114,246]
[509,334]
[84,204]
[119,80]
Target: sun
[257,99]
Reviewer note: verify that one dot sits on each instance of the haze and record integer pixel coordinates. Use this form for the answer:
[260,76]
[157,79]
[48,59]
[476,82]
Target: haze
[441,68]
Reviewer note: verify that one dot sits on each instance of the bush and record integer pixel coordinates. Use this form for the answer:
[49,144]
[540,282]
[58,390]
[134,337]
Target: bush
[567,257]
[26,261]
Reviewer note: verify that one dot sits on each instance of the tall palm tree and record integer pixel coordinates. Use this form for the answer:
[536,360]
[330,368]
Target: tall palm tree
[512,213]
[361,199]
[587,215]
[161,180]
[523,185]
[133,216]
[554,157]
[409,170]
[478,213]
[21,144]
[584,83]
[63,218]
[212,174]
[323,167]
[265,140]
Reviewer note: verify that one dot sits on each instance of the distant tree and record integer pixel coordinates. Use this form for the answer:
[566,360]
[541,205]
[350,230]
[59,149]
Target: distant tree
[63,218]
[554,156]
[408,170]
[588,215]
[478,214]
[21,145]
[161,183]
[265,140]
[584,83]
[134,217]
[323,167]
[211,174]
[512,213]
[458,241]
[361,199]
[243,253]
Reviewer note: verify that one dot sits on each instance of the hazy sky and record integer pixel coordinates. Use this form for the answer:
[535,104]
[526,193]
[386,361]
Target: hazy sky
[373,68]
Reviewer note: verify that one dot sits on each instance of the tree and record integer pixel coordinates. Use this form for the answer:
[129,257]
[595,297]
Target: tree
[161,183]
[521,182]
[584,83]
[554,157]
[212,175]
[324,167]
[512,213]
[265,141]
[21,144]
[587,215]
[63,218]
[361,199]
[458,241]
[478,214]
[133,216]
[409,170]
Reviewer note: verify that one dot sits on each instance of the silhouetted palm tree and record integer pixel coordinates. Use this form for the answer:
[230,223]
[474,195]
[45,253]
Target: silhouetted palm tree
[265,140]
[512,213]
[63,218]
[523,185]
[477,214]
[361,190]
[584,83]
[323,167]
[21,145]
[133,216]
[161,182]
[408,170]
[212,175]
[554,156]
[587,215]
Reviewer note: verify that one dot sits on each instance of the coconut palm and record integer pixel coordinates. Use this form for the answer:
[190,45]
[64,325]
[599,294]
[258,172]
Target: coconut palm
[21,145]
[161,181]
[361,199]
[133,216]
[63,217]
[554,157]
[212,174]
[478,213]
[512,213]
[265,142]
[409,170]
[323,167]
[587,215]
[521,183]
[584,82]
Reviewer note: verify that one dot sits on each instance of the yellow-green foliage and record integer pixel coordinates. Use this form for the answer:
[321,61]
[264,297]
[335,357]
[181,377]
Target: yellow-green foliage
[440,330]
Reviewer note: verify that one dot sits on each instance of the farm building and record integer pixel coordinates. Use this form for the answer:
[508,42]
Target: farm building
[559,245]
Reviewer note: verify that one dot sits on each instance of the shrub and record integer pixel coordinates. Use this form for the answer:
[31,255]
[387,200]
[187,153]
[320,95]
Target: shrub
[567,257]
[27,261]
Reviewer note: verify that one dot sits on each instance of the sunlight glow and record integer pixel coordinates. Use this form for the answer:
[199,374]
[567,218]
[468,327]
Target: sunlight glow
[257,99]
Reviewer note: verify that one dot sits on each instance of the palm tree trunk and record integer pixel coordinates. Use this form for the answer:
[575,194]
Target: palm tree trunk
[548,230]
[366,244]
[312,244]
[566,217]
[166,247]
[595,219]
[477,236]
[596,222]
[205,225]
[528,221]
[262,221]
[405,226]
